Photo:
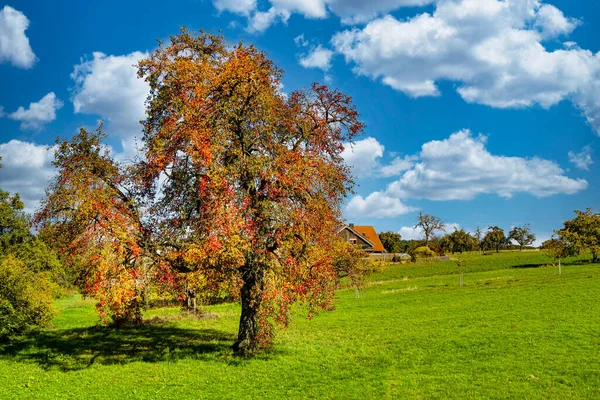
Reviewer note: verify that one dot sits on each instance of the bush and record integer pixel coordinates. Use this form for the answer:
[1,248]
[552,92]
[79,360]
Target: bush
[423,252]
[25,299]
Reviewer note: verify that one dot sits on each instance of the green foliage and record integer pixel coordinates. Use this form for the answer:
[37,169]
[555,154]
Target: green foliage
[392,242]
[422,252]
[494,238]
[583,233]
[458,241]
[25,298]
[13,222]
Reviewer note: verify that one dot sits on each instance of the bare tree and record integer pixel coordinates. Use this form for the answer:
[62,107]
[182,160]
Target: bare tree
[429,224]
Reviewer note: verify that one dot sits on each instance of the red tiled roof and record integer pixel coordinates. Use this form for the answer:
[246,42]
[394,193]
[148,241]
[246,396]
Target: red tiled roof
[371,235]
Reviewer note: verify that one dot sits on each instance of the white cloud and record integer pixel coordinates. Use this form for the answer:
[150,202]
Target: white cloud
[363,156]
[14,44]
[38,113]
[243,7]
[552,22]
[357,11]
[350,11]
[461,168]
[26,169]
[397,166]
[108,86]
[492,48]
[300,41]
[308,8]
[261,20]
[377,205]
[416,233]
[583,159]
[319,57]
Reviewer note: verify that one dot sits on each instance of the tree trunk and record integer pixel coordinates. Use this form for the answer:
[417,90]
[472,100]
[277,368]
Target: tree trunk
[251,295]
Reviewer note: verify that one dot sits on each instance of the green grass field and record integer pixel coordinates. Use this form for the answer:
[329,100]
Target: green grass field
[516,329]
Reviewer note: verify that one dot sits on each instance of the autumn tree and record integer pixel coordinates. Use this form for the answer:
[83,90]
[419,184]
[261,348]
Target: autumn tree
[494,238]
[92,215]
[583,232]
[253,179]
[429,224]
[522,235]
[392,242]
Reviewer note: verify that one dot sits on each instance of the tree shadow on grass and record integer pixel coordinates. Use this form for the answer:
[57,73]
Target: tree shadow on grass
[76,349]
[525,266]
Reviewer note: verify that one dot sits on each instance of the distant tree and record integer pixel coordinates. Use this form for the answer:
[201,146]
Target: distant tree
[458,241]
[583,232]
[429,224]
[478,236]
[494,238]
[446,244]
[392,242]
[522,235]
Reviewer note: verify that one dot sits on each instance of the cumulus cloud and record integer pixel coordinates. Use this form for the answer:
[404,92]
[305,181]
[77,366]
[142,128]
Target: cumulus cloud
[14,44]
[318,57]
[377,205]
[243,7]
[397,166]
[416,233]
[38,113]
[583,159]
[493,49]
[26,169]
[358,11]
[350,11]
[108,86]
[461,168]
[364,158]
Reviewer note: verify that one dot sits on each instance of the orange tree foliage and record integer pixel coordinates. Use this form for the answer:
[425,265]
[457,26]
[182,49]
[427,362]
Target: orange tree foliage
[95,220]
[241,186]
[254,179]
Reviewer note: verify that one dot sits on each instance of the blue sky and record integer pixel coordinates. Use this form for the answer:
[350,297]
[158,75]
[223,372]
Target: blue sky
[482,112]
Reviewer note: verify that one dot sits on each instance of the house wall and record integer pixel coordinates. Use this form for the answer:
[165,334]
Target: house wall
[348,235]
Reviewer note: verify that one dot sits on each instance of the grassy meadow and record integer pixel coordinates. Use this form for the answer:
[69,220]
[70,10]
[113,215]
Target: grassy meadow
[516,329]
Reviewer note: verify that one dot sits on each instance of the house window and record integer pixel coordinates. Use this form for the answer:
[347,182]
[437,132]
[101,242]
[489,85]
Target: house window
[353,241]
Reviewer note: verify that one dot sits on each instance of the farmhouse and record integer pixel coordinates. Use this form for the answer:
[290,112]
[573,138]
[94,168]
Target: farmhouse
[363,236]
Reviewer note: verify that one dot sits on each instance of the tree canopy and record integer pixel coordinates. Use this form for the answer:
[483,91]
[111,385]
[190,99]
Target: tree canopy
[392,242]
[582,233]
[240,186]
[494,238]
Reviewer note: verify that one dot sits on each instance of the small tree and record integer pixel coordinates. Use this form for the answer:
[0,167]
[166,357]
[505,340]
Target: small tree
[392,242]
[583,232]
[430,224]
[522,235]
[494,238]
